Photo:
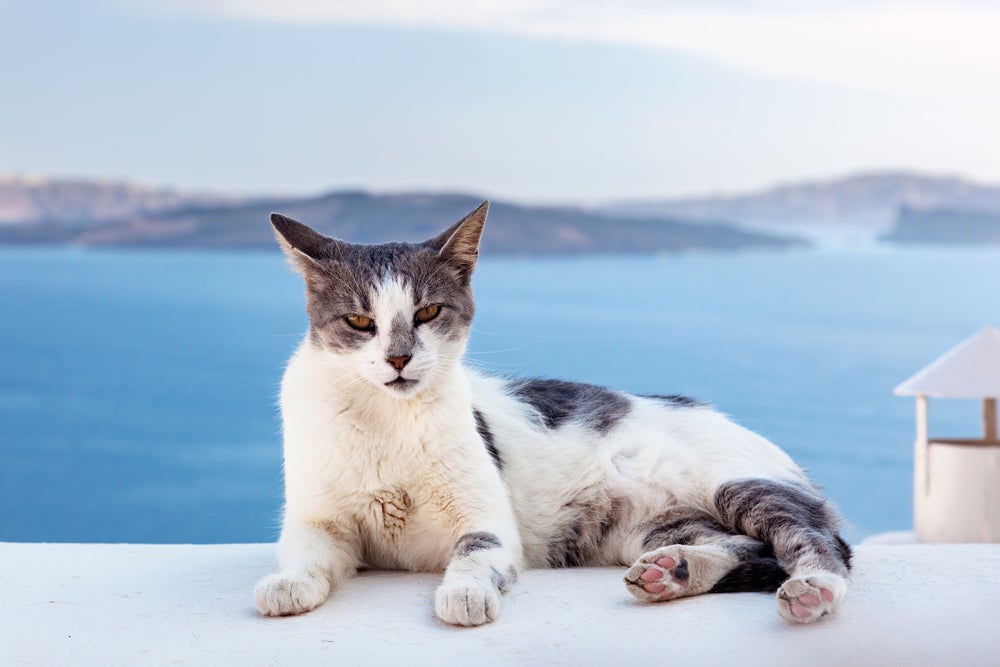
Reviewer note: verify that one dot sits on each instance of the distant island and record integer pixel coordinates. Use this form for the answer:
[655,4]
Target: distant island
[894,207]
[872,201]
[113,214]
[945,226]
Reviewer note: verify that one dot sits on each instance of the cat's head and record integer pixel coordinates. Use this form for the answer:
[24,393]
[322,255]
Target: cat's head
[394,315]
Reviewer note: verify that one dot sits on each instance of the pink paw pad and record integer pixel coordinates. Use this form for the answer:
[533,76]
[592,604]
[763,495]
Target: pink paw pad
[805,605]
[668,570]
[660,575]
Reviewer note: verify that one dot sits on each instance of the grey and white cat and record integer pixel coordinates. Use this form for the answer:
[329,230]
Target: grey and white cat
[399,457]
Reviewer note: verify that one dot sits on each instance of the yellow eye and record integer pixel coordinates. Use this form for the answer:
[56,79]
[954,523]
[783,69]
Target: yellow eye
[360,322]
[427,314]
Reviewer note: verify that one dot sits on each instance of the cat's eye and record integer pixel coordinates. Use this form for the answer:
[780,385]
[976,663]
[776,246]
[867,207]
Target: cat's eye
[360,322]
[426,314]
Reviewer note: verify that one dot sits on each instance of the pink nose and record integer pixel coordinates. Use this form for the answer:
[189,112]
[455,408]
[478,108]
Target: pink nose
[398,362]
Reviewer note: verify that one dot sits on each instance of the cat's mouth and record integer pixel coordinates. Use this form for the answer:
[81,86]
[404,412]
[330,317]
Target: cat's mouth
[401,384]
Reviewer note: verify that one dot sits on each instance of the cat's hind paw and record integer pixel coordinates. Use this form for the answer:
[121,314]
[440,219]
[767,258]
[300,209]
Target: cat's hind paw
[468,602]
[807,599]
[659,575]
[285,594]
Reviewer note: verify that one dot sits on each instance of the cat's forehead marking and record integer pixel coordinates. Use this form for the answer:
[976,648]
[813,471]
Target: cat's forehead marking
[392,293]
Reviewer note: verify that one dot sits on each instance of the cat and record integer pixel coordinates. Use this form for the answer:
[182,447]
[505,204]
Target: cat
[397,456]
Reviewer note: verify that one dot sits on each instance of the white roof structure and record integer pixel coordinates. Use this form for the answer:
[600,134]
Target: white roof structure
[971,369]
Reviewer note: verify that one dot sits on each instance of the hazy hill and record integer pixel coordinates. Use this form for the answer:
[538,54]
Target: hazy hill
[868,200]
[946,225]
[369,218]
[78,202]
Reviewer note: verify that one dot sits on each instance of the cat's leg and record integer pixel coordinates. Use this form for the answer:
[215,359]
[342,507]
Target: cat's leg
[313,558]
[694,554]
[483,564]
[801,527]
[466,489]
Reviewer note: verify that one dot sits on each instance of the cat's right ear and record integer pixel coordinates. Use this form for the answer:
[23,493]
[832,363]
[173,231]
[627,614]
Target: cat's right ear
[303,245]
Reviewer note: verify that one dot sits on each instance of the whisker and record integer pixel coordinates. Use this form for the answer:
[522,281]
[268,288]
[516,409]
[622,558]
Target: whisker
[483,332]
[478,363]
[509,349]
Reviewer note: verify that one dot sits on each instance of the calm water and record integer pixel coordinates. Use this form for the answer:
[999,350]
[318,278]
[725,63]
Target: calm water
[137,388]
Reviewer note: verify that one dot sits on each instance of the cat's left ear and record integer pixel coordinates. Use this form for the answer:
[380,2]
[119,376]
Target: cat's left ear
[459,244]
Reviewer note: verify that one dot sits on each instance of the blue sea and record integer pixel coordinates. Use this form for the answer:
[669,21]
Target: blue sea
[137,388]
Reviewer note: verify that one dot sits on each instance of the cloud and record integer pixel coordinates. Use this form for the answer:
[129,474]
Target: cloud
[897,47]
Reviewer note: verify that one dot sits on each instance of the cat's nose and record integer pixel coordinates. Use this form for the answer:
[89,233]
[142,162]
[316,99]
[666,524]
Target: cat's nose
[398,362]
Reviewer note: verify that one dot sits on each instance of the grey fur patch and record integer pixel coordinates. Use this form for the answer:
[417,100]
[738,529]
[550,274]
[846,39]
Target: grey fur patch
[758,575]
[844,550]
[401,338]
[763,505]
[484,432]
[502,581]
[695,528]
[581,538]
[794,519]
[476,541]
[558,402]
[677,400]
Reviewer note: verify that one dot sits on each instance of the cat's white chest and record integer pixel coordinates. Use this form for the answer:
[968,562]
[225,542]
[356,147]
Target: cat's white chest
[402,475]
[373,473]
[381,489]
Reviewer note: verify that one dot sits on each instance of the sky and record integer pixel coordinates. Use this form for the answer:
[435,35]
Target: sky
[532,100]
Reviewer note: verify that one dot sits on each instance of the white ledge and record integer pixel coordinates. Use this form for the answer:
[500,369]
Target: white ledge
[192,605]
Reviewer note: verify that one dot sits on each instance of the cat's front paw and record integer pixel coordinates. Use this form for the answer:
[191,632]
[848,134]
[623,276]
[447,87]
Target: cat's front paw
[285,594]
[809,598]
[468,602]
